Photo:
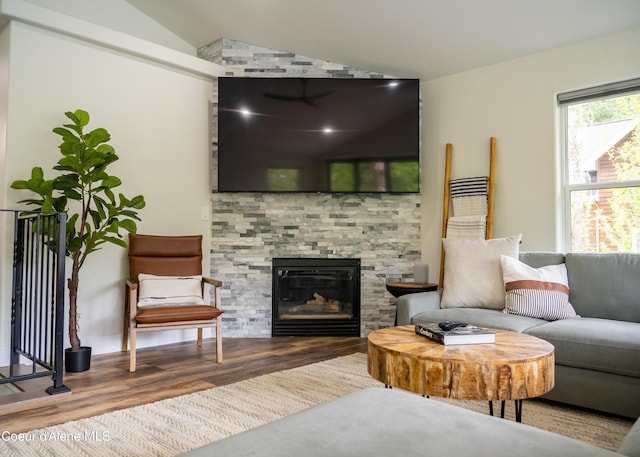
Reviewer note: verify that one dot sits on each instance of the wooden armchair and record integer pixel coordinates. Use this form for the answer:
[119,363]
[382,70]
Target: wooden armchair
[165,289]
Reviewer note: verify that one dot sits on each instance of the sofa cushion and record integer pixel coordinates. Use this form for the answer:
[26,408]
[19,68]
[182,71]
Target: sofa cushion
[481,317]
[388,422]
[537,259]
[605,285]
[595,344]
[472,272]
[542,292]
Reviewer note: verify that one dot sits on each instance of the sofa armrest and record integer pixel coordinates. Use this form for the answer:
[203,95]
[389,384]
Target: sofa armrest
[631,444]
[411,304]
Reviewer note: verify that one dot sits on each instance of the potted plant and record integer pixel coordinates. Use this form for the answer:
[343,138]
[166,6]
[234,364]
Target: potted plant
[84,191]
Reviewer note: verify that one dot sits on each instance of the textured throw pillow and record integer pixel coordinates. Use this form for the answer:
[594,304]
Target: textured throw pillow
[536,292]
[169,290]
[473,273]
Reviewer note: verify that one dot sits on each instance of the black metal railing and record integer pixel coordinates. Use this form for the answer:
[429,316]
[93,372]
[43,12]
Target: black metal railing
[37,299]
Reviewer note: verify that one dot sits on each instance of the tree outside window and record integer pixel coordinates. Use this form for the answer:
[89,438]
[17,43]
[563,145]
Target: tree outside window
[603,174]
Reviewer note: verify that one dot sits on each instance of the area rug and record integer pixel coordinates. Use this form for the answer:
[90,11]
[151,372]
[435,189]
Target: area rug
[170,427]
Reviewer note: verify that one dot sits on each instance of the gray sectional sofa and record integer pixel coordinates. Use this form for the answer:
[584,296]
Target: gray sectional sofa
[390,422]
[597,355]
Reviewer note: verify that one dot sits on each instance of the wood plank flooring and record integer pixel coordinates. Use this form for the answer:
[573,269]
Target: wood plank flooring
[168,371]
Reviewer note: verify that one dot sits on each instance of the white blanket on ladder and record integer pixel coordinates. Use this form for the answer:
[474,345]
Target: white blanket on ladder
[473,205]
[469,227]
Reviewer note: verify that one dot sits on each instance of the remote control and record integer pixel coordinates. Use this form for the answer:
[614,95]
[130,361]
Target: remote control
[449,325]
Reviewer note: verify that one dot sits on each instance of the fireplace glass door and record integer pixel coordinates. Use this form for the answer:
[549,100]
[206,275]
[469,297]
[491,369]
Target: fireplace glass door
[316,297]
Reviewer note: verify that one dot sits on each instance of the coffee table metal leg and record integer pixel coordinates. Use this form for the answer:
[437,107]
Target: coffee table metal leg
[501,409]
[518,405]
[518,410]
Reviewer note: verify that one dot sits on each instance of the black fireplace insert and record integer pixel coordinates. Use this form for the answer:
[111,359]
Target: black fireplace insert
[316,297]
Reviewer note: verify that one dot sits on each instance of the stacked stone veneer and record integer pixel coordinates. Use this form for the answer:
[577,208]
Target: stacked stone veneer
[250,229]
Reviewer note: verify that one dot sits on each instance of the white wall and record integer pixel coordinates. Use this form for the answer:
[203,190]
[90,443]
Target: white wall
[118,15]
[515,102]
[159,123]
[5,218]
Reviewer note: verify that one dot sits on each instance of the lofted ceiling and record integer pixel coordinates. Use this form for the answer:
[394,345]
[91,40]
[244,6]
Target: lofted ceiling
[404,38]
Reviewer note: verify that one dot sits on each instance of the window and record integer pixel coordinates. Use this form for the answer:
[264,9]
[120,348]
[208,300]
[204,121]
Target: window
[601,179]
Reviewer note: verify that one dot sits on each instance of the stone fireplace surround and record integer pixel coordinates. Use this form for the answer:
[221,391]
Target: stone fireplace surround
[250,229]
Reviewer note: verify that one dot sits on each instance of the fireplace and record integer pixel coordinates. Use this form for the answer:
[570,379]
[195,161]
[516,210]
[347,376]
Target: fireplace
[316,297]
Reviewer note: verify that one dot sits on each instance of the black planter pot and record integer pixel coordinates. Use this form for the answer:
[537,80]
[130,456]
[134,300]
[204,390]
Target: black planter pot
[77,361]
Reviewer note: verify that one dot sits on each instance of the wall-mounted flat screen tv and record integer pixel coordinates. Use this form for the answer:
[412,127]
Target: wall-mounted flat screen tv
[318,135]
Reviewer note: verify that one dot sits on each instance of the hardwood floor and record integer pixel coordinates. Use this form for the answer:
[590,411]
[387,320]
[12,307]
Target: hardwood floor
[168,371]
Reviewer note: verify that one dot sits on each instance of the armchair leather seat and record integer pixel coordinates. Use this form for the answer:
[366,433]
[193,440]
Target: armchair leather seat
[176,313]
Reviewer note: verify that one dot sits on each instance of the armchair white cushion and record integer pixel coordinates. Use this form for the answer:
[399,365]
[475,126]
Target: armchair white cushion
[156,290]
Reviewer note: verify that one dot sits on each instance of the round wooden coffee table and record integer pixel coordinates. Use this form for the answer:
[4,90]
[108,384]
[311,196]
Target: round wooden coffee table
[516,367]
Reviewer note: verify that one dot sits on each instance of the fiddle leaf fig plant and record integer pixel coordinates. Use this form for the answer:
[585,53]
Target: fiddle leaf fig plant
[84,190]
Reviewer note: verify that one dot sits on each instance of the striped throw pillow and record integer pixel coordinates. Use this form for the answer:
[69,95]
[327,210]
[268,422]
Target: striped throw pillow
[169,290]
[542,293]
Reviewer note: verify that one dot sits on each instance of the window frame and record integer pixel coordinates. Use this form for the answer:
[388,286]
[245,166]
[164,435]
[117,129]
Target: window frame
[565,100]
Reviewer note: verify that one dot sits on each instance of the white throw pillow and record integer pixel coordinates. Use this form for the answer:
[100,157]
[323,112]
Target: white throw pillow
[537,292]
[169,290]
[473,273]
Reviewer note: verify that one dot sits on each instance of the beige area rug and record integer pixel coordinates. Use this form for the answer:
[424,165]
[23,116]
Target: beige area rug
[170,427]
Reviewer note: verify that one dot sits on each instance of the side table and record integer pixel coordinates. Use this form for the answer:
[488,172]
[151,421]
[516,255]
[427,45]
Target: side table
[398,289]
